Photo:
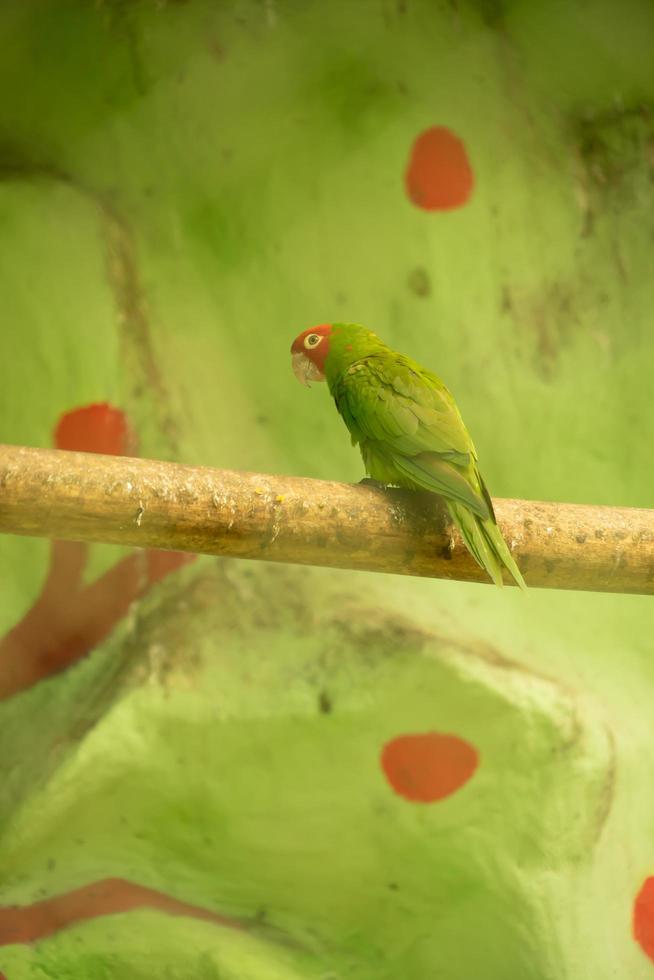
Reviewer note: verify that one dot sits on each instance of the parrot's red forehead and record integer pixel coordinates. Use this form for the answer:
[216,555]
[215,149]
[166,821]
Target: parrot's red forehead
[323,330]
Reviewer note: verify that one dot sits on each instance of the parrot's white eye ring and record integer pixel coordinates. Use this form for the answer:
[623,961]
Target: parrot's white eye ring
[312,340]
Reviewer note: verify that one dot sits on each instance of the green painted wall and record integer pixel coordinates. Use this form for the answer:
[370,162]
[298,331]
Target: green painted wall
[184,186]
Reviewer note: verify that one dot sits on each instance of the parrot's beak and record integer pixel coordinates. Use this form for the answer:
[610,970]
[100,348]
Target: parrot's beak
[305,370]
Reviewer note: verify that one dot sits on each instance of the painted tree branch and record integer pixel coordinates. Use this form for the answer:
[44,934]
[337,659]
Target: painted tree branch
[150,504]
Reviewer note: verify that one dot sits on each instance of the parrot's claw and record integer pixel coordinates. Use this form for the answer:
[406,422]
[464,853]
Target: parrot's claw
[369,482]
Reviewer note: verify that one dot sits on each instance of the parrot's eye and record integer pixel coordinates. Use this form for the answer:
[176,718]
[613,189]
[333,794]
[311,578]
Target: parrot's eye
[312,340]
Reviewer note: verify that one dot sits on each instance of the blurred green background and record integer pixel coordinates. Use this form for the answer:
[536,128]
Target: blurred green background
[184,186]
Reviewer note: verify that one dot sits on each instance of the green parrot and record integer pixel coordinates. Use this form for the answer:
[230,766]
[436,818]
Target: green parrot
[408,428]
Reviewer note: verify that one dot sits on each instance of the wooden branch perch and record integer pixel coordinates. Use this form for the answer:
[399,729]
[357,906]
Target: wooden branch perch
[145,503]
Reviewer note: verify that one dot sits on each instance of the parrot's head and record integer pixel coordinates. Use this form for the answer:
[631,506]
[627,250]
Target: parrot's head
[309,351]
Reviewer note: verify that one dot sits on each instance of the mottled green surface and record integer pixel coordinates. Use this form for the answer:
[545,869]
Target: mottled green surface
[185,186]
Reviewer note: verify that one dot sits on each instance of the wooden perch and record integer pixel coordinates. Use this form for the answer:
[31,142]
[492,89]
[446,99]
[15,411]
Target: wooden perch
[150,504]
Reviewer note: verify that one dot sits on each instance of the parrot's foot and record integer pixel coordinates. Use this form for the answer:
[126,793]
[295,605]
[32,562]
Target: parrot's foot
[369,482]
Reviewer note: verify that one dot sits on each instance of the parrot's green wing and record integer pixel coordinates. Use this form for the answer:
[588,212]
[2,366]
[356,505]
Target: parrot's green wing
[407,415]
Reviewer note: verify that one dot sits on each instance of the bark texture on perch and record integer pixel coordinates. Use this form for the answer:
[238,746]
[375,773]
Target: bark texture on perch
[146,503]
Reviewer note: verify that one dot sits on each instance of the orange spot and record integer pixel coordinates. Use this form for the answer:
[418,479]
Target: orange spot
[98,428]
[427,768]
[438,176]
[643,921]
[28,923]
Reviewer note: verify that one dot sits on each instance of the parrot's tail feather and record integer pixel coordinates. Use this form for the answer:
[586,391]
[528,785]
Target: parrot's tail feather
[484,540]
[500,548]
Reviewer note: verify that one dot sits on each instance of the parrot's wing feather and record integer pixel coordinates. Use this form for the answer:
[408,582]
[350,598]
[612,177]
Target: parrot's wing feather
[433,406]
[432,472]
[388,398]
[410,416]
